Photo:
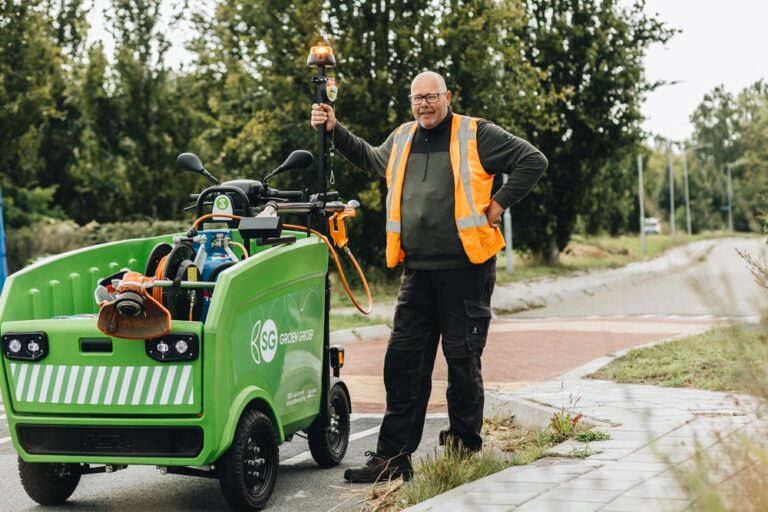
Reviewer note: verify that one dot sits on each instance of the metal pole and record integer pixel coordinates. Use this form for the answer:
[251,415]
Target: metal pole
[730,201]
[508,236]
[3,260]
[671,190]
[320,81]
[641,199]
[687,197]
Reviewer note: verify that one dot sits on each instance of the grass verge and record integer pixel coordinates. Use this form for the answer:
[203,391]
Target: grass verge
[506,444]
[724,359]
[338,322]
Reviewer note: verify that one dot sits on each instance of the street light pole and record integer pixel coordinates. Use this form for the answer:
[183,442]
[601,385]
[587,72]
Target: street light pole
[728,167]
[687,196]
[671,190]
[508,235]
[730,201]
[641,199]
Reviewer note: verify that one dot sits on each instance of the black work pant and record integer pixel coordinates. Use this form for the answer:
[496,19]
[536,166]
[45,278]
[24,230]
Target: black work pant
[432,304]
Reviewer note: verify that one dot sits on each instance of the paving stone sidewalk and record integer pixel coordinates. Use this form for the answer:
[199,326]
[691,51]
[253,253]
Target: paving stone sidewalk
[654,432]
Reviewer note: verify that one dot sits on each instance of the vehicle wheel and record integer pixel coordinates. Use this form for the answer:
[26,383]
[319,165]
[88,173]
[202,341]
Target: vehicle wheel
[248,470]
[329,437]
[47,483]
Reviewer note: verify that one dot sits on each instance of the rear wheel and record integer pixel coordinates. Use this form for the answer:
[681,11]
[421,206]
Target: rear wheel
[49,484]
[248,470]
[329,437]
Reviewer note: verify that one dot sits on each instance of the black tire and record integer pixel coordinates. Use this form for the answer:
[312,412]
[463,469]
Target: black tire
[49,484]
[248,470]
[329,437]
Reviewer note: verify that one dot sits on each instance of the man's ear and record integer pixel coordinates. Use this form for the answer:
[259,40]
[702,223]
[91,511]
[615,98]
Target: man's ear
[448,96]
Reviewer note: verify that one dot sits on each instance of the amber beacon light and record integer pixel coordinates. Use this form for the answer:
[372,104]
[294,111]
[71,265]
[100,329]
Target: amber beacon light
[321,55]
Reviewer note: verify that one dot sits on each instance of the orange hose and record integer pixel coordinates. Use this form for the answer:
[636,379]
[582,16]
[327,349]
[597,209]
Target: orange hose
[322,237]
[367,290]
[157,293]
[241,247]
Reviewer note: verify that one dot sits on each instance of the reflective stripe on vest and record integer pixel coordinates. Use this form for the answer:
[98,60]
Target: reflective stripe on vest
[472,186]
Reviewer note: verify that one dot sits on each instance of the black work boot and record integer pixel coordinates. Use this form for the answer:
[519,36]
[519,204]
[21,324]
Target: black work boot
[379,469]
[459,445]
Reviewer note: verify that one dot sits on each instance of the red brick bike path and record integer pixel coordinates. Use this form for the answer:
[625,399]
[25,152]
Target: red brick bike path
[518,353]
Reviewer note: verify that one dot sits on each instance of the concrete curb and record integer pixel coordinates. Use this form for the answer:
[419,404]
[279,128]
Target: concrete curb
[532,414]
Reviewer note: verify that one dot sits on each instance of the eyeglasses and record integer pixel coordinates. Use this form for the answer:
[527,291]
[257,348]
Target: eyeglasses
[416,99]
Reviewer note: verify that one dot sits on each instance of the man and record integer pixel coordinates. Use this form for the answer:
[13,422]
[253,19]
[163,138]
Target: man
[442,225]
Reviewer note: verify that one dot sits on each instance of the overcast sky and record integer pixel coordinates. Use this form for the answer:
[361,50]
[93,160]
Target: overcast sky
[722,42]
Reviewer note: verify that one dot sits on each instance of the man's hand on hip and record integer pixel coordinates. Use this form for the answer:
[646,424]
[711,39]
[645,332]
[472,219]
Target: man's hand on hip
[493,213]
[322,114]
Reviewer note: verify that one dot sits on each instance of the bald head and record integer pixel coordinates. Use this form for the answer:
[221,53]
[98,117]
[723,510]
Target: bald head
[429,85]
[430,77]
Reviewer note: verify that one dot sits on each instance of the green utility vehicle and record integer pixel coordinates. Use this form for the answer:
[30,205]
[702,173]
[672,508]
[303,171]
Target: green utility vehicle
[231,359]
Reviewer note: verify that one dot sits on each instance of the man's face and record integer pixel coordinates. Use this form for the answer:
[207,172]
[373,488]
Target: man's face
[429,115]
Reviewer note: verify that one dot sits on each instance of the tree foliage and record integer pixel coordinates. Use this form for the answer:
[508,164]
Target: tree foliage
[592,52]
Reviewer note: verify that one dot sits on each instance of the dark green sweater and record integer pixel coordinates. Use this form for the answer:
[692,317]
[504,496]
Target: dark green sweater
[429,236]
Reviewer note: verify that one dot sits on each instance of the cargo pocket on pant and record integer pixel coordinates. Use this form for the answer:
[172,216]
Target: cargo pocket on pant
[478,319]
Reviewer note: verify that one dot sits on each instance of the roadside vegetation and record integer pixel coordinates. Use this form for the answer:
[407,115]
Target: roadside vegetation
[734,476]
[724,359]
[506,444]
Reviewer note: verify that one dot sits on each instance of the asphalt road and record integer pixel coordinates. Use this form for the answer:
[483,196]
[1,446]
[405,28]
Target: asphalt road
[301,484]
[719,286]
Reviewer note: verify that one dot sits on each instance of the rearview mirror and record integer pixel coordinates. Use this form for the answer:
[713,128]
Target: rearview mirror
[299,159]
[192,163]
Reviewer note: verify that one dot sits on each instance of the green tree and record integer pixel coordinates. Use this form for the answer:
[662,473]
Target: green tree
[33,120]
[592,52]
[253,56]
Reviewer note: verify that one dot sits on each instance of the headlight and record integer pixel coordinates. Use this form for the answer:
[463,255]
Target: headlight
[26,346]
[173,347]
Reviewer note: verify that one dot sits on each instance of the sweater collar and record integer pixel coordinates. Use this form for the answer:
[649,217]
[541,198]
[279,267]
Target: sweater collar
[441,127]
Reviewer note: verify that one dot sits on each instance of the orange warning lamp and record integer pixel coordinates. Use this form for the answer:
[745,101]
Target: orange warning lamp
[321,55]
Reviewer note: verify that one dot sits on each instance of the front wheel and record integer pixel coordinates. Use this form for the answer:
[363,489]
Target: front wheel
[329,436]
[248,470]
[47,483]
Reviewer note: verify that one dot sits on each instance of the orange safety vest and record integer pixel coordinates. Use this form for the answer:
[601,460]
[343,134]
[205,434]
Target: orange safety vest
[472,186]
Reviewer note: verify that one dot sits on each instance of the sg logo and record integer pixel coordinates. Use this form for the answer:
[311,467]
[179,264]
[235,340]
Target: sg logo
[264,341]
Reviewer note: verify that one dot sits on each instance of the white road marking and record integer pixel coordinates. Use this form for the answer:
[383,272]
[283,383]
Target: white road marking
[2,416]
[4,440]
[307,455]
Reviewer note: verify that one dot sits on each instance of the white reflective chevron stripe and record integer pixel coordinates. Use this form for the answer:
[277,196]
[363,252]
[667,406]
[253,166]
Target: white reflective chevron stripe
[139,386]
[71,386]
[20,383]
[46,385]
[182,385]
[170,374]
[111,386]
[103,385]
[126,386]
[153,385]
[97,386]
[86,380]
[33,382]
[59,381]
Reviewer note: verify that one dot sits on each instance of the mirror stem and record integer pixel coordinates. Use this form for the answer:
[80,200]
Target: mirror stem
[209,175]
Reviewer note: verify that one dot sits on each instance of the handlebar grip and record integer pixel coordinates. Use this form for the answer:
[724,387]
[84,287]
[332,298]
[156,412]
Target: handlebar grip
[193,197]
[284,194]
